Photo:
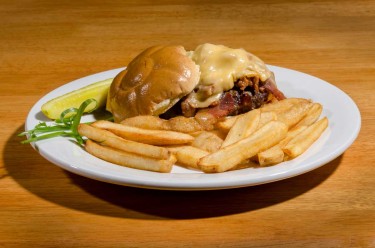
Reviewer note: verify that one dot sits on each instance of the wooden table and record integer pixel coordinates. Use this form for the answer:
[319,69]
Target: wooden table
[47,44]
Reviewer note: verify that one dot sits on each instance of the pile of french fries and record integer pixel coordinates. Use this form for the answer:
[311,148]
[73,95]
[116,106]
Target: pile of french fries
[267,136]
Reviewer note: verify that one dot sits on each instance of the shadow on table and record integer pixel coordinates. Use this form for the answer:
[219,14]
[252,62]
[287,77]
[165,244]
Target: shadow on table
[53,184]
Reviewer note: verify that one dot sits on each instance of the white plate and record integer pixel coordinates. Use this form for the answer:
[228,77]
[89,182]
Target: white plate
[344,125]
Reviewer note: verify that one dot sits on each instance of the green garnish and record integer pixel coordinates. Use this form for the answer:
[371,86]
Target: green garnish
[66,126]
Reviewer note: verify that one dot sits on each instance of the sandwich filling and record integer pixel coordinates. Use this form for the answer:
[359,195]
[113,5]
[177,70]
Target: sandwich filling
[232,81]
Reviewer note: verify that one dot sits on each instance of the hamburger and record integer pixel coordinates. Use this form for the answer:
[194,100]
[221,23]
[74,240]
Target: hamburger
[209,83]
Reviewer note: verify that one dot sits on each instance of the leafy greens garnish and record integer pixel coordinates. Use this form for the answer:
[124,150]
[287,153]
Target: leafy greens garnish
[66,126]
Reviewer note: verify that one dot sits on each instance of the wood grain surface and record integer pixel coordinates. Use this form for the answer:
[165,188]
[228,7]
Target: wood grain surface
[45,44]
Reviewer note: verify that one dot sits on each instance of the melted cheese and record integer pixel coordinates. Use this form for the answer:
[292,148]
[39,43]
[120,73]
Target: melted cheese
[220,67]
[198,102]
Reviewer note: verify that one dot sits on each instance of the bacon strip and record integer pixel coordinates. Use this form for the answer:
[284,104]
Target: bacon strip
[271,87]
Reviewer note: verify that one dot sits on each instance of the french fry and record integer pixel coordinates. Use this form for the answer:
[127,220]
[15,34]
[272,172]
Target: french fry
[183,124]
[244,126]
[294,114]
[228,157]
[291,134]
[152,137]
[207,141]
[226,124]
[266,117]
[109,139]
[271,156]
[275,154]
[283,105]
[146,122]
[276,107]
[312,115]
[179,123]
[305,139]
[129,159]
[218,133]
[245,164]
[196,134]
[188,156]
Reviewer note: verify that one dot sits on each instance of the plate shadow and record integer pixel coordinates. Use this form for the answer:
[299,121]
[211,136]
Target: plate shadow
[49,182]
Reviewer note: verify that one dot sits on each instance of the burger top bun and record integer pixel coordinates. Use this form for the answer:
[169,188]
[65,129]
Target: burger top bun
[152,82]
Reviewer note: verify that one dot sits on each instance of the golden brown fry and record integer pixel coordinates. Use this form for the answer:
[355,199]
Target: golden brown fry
[291,134]
[312,115]
[294,114]
[129,159]
[275,154]
[244,126]
[218,133]
[188,156]
[228,157]
[248,163]
[207,141]
[179,124]
[283,105]
[146,122]
[277,107]
[196,134]
[266,117]
[305,139]
[271,156]
[109,139]
[226,124]
[183,124]
[152,137]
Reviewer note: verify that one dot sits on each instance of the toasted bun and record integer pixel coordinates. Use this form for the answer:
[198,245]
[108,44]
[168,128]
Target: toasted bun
[152,83]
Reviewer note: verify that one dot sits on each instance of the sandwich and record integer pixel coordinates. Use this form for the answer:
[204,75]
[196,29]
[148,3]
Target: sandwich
[208,83]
